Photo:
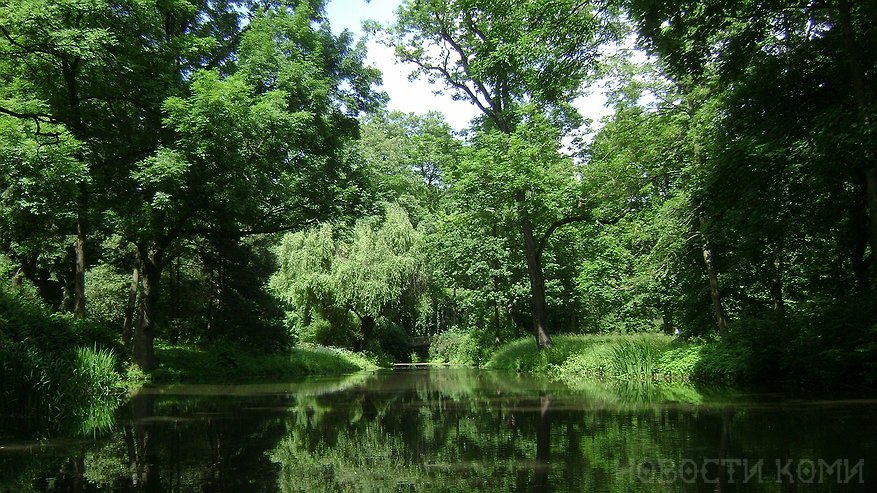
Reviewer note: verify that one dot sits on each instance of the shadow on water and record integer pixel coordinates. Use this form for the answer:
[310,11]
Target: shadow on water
[455,431]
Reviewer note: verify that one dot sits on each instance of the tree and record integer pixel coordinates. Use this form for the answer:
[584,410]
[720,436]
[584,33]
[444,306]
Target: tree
[791,78]
[370,274]
[405,156]
[38,176]
[100,71]
[255,152]
[499,57]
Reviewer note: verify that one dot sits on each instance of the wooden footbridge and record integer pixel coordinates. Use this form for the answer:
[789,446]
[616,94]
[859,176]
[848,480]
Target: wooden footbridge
[419,342]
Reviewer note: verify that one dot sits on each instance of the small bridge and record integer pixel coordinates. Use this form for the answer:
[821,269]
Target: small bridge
[419,342]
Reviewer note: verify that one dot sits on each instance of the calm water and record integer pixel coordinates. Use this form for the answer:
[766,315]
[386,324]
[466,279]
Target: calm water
[456,431]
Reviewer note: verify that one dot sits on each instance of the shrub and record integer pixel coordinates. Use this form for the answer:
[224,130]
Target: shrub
[706,362]
[631,357]
[94,371]
[107,293]
[55,371]
[454,346]
[223,362]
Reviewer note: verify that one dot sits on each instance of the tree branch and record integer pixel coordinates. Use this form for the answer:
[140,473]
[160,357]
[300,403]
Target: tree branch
[449,78]
[543,242]
[37,117]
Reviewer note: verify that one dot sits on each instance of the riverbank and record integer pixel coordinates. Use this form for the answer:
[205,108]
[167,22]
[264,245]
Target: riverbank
[60,375]
[640,356]
[222,364]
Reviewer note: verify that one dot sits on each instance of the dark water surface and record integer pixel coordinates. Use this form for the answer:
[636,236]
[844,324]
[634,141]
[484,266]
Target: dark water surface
[457,431]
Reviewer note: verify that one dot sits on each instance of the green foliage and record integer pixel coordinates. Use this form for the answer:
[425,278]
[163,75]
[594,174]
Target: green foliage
[647,357]
[707,362]
[498,55]
[369,272]
[94,370]
[379,264]
[734,181]
[38,189]
[53,376]
[107,293]
[501,179]
[455,346]
[225,363]
[405,157]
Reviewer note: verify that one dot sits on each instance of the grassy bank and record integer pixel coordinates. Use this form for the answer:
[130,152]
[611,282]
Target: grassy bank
[642,356]
[229,364]
[65,376]
[57,374]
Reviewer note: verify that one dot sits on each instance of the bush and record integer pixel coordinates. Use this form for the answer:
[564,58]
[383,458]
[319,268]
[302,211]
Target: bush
[107,293]
[94,371]
[55,372]
[630,357]
[707,362]
[223,362]
[454,346]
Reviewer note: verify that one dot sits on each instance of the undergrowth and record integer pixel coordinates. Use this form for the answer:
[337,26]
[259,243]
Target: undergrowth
[224,363]
[632,357]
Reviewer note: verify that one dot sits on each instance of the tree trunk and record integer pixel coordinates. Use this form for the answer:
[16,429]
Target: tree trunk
[151,267]
[776,281]
[23,272]
[70,70]
[146,475]
[776,286]
[210,288]
[721,318]
[79,254]
[130,308]
[871,176]
[857,81]
[496,332]
[534,272]
[858,237]
[307,318]
[366,328]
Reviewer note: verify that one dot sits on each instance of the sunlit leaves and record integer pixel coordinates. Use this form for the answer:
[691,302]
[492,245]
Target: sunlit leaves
[39,179]
[365,270]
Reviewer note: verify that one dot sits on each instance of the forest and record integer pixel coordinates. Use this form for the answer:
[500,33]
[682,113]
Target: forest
[219,186]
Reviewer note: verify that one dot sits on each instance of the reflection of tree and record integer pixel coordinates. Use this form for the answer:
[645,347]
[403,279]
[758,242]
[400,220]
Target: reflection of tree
[367,460]
[145,475]
[430,431]
[543,447]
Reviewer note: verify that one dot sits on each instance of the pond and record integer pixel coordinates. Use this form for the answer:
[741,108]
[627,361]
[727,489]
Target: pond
[457,431]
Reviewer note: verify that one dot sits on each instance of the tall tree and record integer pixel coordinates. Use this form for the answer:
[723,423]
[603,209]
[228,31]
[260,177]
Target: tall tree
[255,152]
[101,70]
[405,156]
[500,56]
[795,94]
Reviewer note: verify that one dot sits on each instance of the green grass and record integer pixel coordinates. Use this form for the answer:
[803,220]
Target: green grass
[631,357]
[227,364]
[58,375]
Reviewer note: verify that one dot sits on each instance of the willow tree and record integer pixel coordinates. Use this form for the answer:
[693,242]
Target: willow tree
[500,56]
[367,272]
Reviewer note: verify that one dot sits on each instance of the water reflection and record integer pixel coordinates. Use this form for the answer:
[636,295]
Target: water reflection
[452,431]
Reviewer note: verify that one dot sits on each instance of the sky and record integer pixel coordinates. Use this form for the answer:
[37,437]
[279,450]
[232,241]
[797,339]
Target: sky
[418,96]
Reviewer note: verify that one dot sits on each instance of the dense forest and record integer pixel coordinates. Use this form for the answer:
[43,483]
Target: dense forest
[224,173]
